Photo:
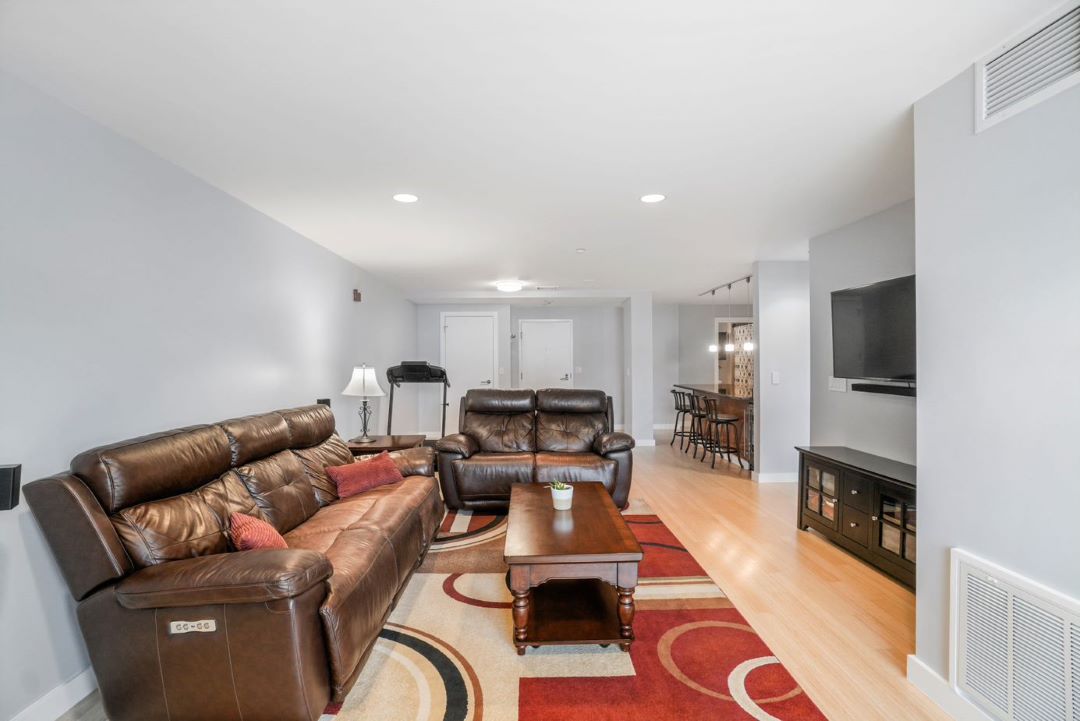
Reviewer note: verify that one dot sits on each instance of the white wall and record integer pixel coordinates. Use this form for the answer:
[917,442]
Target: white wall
[665,361]
[781,409]
[998,288]
[135,298]
[638,367]
[876,248]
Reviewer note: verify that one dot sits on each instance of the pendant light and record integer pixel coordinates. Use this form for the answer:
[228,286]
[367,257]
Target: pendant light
[729,347]
[713,347]
[748,346]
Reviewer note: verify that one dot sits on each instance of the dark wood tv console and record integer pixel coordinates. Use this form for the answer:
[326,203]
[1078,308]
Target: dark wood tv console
[862,503]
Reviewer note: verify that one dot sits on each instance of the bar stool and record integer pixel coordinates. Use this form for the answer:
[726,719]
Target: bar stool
[697,424]
[721,426]
[682,410]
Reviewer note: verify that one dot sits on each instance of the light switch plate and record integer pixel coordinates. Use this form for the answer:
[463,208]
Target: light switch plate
[838,384]
[776,378]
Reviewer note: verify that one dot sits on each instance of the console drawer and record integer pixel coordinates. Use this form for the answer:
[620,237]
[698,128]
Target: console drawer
[857,491]
[855,525]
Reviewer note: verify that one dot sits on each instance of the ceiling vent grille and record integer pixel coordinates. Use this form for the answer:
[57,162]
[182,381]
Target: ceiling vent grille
[1030,69]
[1015,645]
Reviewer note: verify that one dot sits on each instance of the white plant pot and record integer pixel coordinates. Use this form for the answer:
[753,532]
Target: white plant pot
[562,500]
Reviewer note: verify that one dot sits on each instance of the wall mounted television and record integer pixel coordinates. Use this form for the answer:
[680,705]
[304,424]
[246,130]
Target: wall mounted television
[873,331]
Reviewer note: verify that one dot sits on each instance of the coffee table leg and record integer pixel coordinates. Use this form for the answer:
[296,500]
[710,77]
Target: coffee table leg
[626,616]
[521,618]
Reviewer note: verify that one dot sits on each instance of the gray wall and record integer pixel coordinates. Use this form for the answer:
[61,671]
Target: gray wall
[878,247]
[137,298]
[697,329]
[665,361]
[598,349]
[598,346]
[998,283]
[781,406]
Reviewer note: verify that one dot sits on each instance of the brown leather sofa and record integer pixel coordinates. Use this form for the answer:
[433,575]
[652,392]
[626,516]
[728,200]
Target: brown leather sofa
[521,436]
[180,629]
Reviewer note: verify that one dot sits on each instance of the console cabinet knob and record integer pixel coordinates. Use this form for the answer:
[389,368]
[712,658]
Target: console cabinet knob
[853,524]
[854,491]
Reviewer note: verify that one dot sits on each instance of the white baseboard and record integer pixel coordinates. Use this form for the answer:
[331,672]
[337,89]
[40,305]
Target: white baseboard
[60,700]
[791,477]
[663,426]
[941,693]
[645,441]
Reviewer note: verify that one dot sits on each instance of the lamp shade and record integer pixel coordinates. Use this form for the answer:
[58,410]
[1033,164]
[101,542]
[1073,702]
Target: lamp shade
[363,384]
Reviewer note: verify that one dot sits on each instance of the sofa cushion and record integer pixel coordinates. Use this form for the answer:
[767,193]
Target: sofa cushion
[486,475]
[359,476]
[184,526]
[407,513]
[501,433]
[568,432]
[281,489]
[575,468]
[571,400]
[492,400]
[152,467]
[331,452]
[361,589]
[255,437]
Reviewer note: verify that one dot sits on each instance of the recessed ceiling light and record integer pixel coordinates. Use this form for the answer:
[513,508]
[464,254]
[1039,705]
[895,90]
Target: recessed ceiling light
[509,286]
[652,198]
[406,198]
[580,250]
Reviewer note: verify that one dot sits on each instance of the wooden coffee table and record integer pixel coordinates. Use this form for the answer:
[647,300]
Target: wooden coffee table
[572,573]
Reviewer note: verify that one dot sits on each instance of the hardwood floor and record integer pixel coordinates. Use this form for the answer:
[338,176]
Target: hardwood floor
[842,628]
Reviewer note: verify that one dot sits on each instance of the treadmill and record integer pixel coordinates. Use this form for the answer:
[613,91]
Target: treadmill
[415,372]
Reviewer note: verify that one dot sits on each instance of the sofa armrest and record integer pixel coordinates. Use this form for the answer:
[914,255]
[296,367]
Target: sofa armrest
[607,443]
[241,577]
[415,461]
[458,443]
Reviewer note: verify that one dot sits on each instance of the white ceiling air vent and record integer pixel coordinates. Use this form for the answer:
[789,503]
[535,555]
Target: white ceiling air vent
[1040,63]
[1014,644]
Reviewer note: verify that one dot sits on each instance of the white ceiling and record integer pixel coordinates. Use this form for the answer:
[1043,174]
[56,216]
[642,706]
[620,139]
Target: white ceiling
[527,129]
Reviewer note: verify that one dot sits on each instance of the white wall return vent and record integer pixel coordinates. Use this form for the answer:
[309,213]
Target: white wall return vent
[1014,644]
[1033,66]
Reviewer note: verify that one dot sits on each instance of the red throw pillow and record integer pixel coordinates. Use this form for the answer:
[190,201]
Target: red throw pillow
[249,533]
[353,478]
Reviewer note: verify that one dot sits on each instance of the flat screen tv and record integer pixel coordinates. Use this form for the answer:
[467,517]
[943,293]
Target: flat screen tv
[873,331]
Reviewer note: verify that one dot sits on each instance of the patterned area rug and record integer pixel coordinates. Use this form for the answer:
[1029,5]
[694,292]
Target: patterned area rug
[447,655]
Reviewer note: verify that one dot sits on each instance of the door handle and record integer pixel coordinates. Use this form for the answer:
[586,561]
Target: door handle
[485,383]
[566,377]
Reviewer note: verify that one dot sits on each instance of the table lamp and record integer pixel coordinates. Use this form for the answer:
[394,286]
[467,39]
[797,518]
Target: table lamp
[364,384]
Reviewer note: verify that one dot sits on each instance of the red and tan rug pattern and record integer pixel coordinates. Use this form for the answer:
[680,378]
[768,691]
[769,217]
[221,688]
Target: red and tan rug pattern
[447,655]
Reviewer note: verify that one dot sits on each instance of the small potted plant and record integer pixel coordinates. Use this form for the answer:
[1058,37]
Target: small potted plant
[562,495]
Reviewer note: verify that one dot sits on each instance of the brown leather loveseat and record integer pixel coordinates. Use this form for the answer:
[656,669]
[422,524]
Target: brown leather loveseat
[181,629]
[521,436]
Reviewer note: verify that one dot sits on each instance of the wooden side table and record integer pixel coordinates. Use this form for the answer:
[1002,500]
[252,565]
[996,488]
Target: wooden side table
[385,443]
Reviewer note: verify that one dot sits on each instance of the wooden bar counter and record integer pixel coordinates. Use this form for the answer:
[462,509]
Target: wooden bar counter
[733,405]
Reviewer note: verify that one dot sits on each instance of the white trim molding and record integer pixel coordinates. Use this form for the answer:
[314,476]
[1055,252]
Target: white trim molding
[61,699]
[645,441]
[941,693]
[775,477]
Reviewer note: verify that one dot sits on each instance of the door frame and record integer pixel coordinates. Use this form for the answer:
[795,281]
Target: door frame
[443,315]
[521,347]
[715,334]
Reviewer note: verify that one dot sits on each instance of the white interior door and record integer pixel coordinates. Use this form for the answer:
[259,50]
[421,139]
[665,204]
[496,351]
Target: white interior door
[546,353]
[469,357]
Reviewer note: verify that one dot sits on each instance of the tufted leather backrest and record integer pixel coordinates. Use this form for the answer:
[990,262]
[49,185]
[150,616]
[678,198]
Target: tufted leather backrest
[500,421]
[570,420]
[170,495]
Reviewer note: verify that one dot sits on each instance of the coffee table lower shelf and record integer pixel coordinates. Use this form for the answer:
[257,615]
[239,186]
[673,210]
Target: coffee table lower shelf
[570,612]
